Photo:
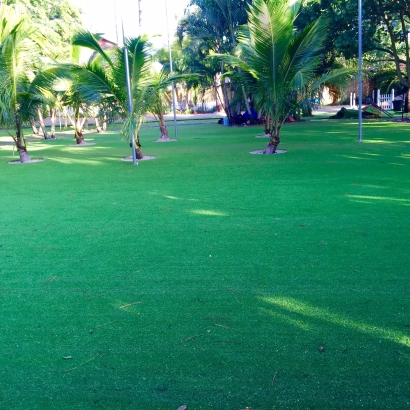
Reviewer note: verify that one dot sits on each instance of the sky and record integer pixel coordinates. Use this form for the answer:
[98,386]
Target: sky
[101,17]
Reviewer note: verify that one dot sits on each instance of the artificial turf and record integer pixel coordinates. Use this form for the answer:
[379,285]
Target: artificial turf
[208,277]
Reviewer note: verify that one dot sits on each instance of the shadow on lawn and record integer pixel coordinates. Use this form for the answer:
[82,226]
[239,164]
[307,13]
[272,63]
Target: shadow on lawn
[287,305]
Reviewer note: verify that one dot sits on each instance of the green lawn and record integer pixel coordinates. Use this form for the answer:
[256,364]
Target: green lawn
[208,277]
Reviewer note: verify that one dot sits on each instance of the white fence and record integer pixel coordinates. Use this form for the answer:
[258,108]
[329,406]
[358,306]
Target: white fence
[384,101]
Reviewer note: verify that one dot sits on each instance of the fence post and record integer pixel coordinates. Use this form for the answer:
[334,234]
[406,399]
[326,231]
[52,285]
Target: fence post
[378,98]
[392,99]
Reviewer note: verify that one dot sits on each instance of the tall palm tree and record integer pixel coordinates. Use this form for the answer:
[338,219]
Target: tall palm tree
[277,63]
[21,45]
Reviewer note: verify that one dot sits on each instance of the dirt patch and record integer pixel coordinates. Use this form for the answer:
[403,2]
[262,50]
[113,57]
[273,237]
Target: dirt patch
[166,140]
[27,162]
[260,152]
[145,158]
[83,144]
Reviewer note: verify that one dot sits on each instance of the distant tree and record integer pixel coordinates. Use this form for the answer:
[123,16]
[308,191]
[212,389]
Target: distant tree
[209,27]
[386,25]
[57,19]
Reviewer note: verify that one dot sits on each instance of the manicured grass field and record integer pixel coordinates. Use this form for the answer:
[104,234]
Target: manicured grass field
[208,277]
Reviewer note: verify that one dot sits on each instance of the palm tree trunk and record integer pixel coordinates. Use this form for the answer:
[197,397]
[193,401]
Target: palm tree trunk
[34,127]
[162,126]
[406,102]
[97,125]
[78,127]
[42,125]
[20,141]
[245,96]
[79,136]
[138,151]
[53,123]
[267,125]
[225,97]
[274,141]
[226,100]
[219,103]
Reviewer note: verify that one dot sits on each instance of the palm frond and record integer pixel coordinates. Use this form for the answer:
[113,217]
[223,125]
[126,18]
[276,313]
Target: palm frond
[86,39]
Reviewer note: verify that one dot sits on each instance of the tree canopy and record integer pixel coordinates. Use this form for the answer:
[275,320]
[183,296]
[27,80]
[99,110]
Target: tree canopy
[57,19]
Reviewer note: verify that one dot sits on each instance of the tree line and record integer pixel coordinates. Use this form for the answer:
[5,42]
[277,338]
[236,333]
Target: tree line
[271,55]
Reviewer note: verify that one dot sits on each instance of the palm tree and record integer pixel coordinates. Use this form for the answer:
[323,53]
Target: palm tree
[103,80]
[158,101]
[158,98]
[277,63]
[20,51]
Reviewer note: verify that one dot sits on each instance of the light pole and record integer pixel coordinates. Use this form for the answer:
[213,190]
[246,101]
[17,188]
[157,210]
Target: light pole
[139,17]
[360,71]
[129,94]
[171,73]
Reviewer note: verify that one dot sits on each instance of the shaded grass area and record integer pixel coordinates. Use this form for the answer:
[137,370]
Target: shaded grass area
[208,277]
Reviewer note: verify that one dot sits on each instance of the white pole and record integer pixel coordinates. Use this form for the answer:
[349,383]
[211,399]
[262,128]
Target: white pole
[360,71]
[129,95]
[172,73]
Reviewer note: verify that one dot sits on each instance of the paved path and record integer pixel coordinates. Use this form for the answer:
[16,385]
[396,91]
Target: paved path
[216,115]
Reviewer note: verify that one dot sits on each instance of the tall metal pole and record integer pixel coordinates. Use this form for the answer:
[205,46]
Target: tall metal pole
[139,18]
[127,75]
[172,73]
[360,72]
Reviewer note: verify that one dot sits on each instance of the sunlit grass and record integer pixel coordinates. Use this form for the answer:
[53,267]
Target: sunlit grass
[313,312]
[208,212]
[379,198]
[210,277]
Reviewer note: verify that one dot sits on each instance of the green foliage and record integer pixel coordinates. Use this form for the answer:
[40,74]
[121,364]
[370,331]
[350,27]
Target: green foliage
[215,22]
[209,27]
[385,32]
[57,19]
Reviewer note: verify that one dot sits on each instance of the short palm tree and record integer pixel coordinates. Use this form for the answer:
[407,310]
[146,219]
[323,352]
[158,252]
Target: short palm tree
[103,80]
[277,62]
[158,95]
[21,46]
[158,103]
